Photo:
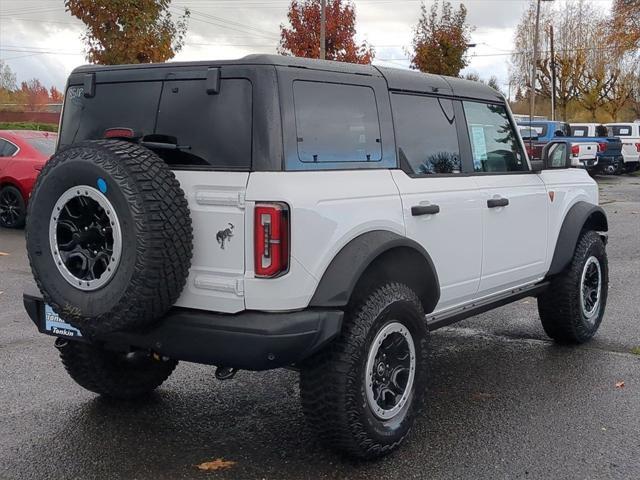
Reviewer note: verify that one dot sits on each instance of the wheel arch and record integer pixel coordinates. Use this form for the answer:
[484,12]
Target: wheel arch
[11,182]
[581,216]
[370,257]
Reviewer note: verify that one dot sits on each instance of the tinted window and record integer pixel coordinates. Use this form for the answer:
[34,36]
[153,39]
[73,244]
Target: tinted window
[579,131]
[540,128]
[127,105]
[7,149]
[621,130]
[494,141]
[46,145]
[336,123]
[426,134]
[217,128]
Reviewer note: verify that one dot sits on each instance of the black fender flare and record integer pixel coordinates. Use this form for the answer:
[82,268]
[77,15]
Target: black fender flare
[347,267]
[580,216]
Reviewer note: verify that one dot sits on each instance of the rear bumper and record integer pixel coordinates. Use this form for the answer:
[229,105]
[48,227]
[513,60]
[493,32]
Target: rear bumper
[249,340]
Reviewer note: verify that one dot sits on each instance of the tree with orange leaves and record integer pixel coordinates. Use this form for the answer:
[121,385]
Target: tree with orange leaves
[125,31]
[302,38]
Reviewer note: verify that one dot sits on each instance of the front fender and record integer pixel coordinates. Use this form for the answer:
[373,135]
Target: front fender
[580,216]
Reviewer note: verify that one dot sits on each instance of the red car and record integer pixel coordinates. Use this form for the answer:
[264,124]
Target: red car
[22,155]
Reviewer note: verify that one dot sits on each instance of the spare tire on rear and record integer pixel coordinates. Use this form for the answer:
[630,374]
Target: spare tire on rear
[109,236]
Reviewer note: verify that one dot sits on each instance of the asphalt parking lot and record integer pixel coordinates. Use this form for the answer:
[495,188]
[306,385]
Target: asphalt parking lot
[504,401]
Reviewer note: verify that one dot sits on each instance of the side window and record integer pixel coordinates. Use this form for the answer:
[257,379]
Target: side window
[557,155]
[336,123]
[7,149]
[494,141]
[426,134]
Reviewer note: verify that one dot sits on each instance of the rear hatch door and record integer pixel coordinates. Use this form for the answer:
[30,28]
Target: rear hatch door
[205,135]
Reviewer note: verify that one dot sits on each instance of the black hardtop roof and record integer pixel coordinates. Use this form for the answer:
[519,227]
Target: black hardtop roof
[397,79]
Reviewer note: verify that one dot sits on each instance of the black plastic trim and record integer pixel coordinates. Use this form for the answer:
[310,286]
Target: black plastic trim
[445,319]
[573,224]
[345,270]
[249,340]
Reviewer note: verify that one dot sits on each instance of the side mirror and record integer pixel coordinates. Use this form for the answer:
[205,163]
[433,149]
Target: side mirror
[556,154]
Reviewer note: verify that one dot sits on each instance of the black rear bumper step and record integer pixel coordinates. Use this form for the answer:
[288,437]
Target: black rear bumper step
[249,340]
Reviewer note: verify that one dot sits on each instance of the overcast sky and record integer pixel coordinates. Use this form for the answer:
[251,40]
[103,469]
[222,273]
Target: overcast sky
[39,39]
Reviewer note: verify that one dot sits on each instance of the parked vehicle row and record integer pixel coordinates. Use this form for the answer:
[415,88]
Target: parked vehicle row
[22,155]
[592,148]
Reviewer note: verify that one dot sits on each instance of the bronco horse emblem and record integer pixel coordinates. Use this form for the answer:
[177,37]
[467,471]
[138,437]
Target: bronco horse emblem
[224,236]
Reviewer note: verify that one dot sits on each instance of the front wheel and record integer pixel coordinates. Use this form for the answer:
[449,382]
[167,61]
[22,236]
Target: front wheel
[117,375]
[572,308]
[13,211]
[363,393]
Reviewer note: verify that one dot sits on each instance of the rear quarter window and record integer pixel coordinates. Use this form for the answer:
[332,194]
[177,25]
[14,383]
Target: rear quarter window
[336,123]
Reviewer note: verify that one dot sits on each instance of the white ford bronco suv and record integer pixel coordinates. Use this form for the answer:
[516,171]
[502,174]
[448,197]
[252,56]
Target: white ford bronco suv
[281,212]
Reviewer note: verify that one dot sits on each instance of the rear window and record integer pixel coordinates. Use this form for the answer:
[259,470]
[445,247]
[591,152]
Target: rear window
[45,145]
[579,131]
[336,123]
[540,129]
[621,130]
[209,130]
[216,129]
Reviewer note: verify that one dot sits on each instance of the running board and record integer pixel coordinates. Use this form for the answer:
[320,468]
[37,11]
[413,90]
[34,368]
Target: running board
[442,320]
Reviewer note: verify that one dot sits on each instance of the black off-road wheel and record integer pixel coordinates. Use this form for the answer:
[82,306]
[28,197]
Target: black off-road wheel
[109,236]
[13,210]
[116,375]
[573,306]
[364,391]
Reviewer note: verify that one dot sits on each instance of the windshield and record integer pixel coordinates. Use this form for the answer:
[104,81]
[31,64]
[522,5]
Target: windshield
[45,145]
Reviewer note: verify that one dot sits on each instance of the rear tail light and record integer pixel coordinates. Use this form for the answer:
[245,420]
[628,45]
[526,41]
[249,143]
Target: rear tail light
[575,150]
[638,147]
[119,133]
[271,239]
[602,146]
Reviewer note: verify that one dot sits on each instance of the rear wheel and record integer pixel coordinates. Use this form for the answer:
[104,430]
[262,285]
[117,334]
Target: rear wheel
[572,308]
[13,211]
[113,374]
[363,392]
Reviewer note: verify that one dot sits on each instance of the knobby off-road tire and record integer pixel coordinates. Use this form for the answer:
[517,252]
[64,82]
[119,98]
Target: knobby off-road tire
[13,210]
[114,374]
[567,315]
[87,196]
[333,383]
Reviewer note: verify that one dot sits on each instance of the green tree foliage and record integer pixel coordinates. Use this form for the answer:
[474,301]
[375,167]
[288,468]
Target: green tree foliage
[129,31]
[441,39]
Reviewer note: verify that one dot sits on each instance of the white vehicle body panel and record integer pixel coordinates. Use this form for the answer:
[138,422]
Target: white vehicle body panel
[216,277]
[478,252]
[446,236]
[629,142]
[328,210]
[514,237]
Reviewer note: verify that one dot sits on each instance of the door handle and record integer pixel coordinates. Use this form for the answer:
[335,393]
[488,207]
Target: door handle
[497,202]
[418,210]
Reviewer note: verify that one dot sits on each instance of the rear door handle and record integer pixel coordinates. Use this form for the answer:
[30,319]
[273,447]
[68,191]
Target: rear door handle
[418,210]
[497,202]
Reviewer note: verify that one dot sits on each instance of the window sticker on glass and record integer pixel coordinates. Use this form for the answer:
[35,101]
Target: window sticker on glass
[479,143]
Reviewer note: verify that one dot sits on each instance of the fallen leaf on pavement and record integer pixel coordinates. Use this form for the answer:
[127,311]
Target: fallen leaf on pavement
[217,464]
[2,254]
[620,385]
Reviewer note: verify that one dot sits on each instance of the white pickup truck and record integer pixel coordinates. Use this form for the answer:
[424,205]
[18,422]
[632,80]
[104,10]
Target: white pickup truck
[629,133]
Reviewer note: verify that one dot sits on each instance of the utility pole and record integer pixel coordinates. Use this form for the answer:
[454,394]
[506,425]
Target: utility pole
[323,29]
[553,75]
[534,64]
